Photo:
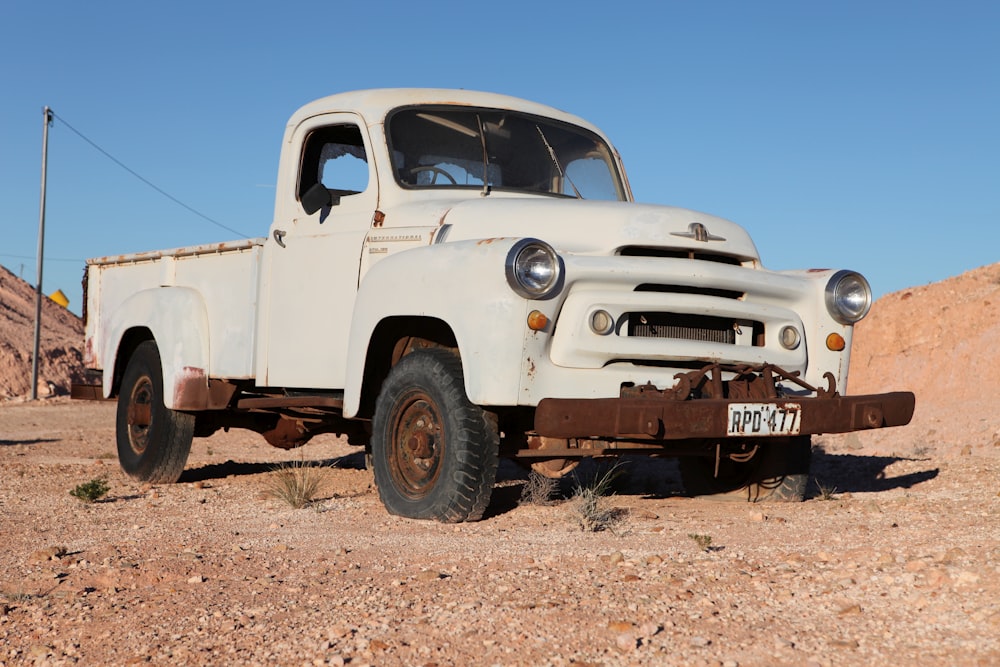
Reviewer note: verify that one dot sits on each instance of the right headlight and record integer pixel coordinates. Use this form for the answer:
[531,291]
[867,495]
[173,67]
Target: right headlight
[848,297]
[533,269]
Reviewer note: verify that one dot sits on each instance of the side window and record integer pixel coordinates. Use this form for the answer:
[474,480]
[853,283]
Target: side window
[335,156]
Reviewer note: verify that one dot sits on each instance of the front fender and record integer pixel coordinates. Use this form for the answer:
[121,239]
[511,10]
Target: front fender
[818,324]
[462,284]
[178,319]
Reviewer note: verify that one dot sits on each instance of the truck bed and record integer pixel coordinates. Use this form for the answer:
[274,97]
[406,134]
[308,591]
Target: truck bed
[224,276]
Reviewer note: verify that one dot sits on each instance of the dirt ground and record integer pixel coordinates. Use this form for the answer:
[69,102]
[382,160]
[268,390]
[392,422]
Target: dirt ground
[895,559]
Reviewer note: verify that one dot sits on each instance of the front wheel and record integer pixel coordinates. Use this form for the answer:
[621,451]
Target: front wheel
[434,453]
[778,470]
[153,440]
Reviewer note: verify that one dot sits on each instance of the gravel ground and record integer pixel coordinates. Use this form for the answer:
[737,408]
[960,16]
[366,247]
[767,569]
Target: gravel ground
[894,560]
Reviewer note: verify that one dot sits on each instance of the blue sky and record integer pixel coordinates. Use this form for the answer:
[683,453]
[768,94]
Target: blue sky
[848,134]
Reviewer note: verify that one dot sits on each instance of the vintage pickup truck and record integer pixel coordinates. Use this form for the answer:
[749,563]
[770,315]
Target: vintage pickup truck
[455,276]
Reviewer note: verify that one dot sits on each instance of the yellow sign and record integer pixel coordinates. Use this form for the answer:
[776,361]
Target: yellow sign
[60,298]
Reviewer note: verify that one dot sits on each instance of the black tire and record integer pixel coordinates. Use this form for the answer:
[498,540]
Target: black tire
[153,440]
[779,471]
[434,453]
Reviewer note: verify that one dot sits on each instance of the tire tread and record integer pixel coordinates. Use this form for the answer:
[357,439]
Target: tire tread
[475,446]
[171,432]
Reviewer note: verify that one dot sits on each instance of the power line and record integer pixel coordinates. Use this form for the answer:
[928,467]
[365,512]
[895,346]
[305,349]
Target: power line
[144,180]
[47,259]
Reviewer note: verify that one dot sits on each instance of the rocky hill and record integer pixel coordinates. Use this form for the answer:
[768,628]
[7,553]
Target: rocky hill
[61,357]
[938,341]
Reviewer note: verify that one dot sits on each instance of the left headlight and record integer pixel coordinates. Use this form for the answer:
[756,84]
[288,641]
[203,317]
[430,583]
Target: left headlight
[848,297]
[533,269]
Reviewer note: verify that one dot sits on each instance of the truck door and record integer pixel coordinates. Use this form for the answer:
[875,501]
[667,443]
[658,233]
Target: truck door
[311,281]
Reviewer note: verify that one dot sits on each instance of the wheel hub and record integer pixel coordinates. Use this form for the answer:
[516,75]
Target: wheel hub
[140,414]
[421,444]
[417,446]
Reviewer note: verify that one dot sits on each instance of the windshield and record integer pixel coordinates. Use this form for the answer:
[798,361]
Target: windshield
[487,149]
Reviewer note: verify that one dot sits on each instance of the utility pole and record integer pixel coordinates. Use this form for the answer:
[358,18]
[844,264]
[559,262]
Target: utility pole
[41,254]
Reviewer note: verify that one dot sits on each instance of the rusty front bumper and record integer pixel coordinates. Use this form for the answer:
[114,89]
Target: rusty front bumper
[665,419]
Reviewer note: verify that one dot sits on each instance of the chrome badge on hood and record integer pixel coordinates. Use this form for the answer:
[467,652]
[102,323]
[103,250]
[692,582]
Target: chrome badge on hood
[698,232]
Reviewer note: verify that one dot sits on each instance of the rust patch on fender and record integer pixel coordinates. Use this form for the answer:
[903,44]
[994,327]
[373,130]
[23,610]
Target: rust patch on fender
[191,389]
[89,359]
[443,216]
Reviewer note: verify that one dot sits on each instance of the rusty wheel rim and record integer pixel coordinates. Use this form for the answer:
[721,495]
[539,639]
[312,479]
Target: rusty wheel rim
[417,446]
[140,414]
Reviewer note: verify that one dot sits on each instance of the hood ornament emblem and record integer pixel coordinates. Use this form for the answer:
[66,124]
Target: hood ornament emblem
[698,232]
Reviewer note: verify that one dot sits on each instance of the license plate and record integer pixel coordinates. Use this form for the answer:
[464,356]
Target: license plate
[763,419]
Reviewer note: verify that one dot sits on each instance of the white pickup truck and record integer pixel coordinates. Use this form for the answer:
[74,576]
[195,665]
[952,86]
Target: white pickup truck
[455,276]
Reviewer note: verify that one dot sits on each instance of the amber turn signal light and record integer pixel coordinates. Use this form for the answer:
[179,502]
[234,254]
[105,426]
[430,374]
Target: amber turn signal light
[537,320]
[835,342]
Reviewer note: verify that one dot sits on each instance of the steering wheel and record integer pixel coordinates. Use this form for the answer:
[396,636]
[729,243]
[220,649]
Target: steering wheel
[436,171]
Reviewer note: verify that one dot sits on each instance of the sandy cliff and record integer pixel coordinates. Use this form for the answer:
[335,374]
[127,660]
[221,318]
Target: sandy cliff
[61,358]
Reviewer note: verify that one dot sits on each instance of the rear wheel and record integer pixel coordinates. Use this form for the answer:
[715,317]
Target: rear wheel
[434,453]
[153,440]
[778,471]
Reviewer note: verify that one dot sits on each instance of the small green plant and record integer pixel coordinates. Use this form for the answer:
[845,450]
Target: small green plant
[298,483]
[704,542]
[588,507]
[539,489]
[91,491]
[825,491]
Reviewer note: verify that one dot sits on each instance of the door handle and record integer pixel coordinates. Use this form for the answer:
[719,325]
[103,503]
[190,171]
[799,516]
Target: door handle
[279,237]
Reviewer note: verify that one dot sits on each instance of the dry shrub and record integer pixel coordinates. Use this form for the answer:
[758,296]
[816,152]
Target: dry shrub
[588,506]
[539,489]
[298,483]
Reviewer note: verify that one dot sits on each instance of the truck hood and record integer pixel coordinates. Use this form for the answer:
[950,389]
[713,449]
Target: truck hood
[592,227]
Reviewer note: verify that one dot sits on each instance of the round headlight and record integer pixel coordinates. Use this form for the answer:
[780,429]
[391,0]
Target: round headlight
[533,269]
[848,297]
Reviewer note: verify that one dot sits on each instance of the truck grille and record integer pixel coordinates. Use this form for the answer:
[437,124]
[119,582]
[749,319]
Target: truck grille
[684,327]
[690,327]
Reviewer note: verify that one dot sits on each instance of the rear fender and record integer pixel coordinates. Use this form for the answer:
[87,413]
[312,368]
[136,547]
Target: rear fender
[178,320]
